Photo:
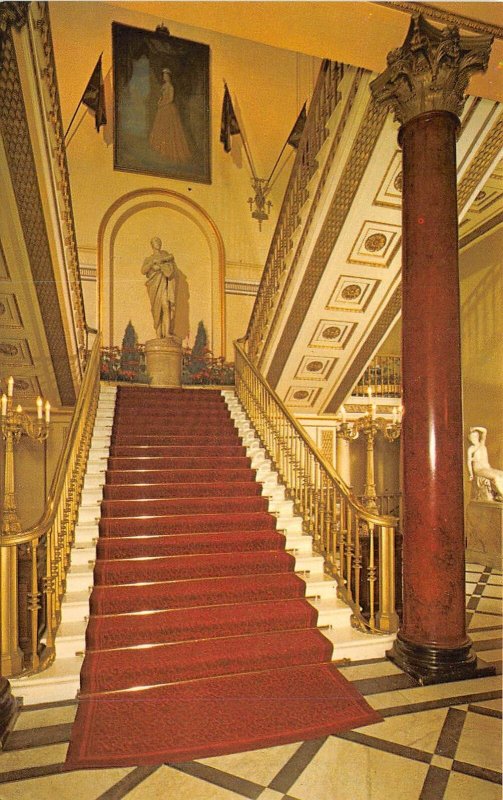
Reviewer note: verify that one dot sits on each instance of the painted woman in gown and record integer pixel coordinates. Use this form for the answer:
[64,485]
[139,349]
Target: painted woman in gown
[167,136]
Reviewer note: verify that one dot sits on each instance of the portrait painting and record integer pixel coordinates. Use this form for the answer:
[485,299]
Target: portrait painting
[162,111]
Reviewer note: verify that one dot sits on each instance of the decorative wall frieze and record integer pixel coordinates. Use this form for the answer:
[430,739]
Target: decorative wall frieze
[430,71]
[444,16]
[15,133]
[47,71]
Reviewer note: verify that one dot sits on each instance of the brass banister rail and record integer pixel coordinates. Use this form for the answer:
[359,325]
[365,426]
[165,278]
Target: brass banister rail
[358,546]
[42,551]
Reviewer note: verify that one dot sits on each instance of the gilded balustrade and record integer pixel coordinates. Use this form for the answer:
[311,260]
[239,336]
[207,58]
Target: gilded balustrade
[358,545]
[324,100]
[44,549]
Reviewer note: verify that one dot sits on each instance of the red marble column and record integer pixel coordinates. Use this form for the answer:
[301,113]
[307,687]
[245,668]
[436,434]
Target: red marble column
[433,629]
[425,83]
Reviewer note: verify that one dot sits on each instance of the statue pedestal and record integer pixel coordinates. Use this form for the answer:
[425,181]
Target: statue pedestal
[484,527]
[164,361]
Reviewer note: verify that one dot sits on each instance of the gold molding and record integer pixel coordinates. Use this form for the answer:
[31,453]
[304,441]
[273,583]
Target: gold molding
[479,165]
[447,17]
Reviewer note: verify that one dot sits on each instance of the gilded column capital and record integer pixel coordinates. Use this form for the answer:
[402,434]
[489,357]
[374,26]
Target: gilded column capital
[431,70]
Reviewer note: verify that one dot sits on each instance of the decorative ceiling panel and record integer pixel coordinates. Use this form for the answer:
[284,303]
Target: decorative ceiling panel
[9,312]
[15,352]
[304,397]
[390,190]
[352,294]
[318,368]
[332,333]
[376,244]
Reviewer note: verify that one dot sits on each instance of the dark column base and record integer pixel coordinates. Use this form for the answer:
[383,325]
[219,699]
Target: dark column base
[429,664]
[9,709]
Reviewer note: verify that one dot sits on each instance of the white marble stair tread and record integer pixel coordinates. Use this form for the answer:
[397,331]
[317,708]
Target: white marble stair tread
[61,681]
[320,588]
[289,524]
[314,565]
[356,645]
[332,611]
[79,578]
[283,508]
[75,606]
[299,543]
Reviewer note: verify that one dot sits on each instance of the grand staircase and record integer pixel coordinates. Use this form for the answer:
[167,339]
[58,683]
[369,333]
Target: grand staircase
[232,534]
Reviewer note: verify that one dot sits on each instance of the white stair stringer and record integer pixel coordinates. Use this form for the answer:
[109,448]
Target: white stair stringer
[61,681]
[334,616]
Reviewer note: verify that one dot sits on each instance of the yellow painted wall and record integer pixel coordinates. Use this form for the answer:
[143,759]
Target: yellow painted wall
[268,87]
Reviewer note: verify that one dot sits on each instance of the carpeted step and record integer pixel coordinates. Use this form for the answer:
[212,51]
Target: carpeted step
[189,523]
[114,670]
[152,416]
[195,592]
[188,567]
[158,490]
[119,477]
[181,505]
[204,440]
[188,543]
[208,717]
[174,451]
[159,462]
[181,624]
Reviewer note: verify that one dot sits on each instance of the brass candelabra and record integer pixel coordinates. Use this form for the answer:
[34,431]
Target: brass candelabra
[370,425]
[15,423]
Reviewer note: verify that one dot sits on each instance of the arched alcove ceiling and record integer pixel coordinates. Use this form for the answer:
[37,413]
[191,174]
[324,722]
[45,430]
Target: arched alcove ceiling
[114,219]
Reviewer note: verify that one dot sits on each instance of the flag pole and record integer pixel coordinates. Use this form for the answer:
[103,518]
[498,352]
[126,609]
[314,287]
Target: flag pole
[80,101]
[245,143]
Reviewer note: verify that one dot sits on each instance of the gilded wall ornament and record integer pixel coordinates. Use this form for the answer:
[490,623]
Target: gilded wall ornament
[314,366]
[2,309]
[375,242]
[351,292]
[20,385]
[300,395]
[430,71]
[8,349]
[332,332]
[398,182]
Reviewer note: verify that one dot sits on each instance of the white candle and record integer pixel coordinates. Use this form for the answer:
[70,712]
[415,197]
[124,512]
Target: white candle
[19,409]
[4,405]
[395,414]
[369,391]
[343,414]
[10,386]
[373,411]
[47,411]
[400,414]
[39,407]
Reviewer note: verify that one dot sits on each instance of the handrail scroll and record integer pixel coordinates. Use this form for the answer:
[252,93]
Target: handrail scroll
[42,553]
[358,546]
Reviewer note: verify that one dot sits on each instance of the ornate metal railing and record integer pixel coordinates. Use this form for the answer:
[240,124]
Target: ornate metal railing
[324,100]
[38,558]
[359,547]
[383,377]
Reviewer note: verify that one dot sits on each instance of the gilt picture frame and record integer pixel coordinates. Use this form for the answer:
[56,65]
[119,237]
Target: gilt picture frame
[161,104]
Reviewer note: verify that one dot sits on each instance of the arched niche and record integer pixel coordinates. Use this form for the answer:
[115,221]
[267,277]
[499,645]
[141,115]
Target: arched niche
[190,234]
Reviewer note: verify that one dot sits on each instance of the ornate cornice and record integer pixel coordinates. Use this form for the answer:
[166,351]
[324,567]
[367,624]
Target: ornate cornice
[343,197]
[430,71]
[15,133]
[446,17]
[12,15]
[486,156]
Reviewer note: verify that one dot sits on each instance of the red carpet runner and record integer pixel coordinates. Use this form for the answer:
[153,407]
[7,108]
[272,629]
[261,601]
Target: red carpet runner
[200,641]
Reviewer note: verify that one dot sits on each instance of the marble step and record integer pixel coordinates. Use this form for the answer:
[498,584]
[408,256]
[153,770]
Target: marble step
[60,682]
[80,575]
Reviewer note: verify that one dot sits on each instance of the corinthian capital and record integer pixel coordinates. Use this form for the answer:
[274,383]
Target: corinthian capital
[12,14]
[431,70]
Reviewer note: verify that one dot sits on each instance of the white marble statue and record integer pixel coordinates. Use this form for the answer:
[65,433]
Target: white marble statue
[160,269]
[479,467]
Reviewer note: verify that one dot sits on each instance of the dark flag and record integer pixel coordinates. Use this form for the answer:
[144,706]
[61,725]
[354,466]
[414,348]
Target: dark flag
[94,96]
[229,125]
[297,129]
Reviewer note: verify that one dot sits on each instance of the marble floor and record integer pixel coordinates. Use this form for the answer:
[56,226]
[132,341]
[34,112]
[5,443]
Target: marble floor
[440,742]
